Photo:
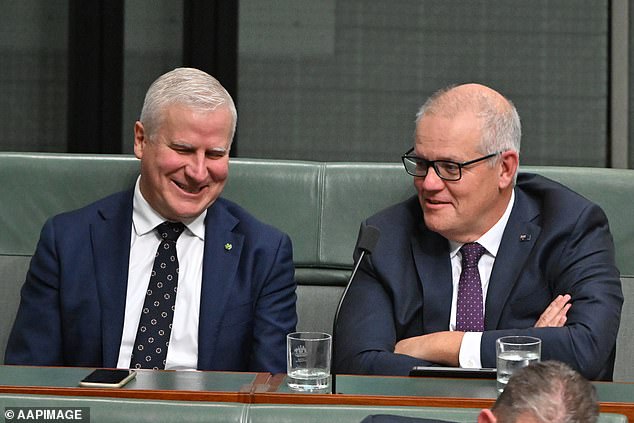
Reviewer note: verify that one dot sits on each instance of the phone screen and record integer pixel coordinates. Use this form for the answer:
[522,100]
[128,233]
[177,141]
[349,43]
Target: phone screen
[108,378]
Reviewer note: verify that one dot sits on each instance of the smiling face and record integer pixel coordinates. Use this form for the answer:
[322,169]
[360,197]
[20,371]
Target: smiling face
[461,210]
[185,164]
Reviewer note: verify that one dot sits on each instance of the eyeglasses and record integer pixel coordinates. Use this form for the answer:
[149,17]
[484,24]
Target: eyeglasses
[445,169]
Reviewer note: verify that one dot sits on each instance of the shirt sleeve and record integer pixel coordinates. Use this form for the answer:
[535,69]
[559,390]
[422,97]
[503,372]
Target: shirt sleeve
[469,356]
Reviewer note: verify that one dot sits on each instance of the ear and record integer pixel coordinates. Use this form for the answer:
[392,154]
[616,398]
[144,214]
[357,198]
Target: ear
[486,416]
[509,163]
[140,139]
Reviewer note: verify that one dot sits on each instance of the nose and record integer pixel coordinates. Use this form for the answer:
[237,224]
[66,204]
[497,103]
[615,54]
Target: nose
[196,169]
[431,181]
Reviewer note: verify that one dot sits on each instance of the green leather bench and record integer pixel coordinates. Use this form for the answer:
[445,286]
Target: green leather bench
[116,410]
[280,413]
[320,205]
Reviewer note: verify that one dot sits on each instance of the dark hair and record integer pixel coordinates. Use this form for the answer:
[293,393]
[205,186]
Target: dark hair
[549,391]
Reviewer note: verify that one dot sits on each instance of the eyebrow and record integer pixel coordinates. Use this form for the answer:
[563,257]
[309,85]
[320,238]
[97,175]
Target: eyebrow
[412,153]
[437,160]
[217,150]
[188,146]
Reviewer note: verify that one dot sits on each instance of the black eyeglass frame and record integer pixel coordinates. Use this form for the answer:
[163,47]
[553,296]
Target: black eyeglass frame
[434,164]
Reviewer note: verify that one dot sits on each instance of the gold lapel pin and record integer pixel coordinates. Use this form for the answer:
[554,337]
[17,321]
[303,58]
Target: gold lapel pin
[228,246]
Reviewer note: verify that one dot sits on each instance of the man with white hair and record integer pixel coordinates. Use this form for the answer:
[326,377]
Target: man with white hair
[479,253]
[167,275]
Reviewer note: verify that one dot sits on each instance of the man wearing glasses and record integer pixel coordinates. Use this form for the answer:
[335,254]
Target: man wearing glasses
[480,253]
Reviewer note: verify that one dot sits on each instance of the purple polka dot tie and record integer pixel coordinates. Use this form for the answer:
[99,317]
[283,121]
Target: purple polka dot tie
[470,311]
[155,325]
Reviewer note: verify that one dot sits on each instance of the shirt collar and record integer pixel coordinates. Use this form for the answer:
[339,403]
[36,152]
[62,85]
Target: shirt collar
[145,218]
[492,238]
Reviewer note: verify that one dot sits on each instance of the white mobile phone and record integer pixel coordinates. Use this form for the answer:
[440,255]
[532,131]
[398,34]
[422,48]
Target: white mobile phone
[108,378]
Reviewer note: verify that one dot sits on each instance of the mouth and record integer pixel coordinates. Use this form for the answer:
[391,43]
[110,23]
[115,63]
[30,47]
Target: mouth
[190,189]
[432,203]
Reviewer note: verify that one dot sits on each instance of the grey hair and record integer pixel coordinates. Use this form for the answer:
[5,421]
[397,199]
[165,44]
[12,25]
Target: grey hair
[189,87]
[549,391]
[501,127]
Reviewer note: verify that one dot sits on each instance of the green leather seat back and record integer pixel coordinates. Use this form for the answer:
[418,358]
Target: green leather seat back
[320,205]
[284,194]
[352,192]
[623,364]
[39,185]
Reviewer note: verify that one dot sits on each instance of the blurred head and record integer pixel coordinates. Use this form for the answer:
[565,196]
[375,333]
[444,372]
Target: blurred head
[183,140]
[463,124]
[545,392]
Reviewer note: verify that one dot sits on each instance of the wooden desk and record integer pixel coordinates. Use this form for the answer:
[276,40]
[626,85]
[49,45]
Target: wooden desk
[614,397]
[263,388]
[148,384]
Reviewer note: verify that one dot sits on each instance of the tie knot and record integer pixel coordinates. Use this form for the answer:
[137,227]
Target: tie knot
[170,231]
[471,253]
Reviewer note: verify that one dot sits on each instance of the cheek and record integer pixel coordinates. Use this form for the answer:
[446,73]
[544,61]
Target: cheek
[219,170]
[418,184]
[167,164]
[476,203]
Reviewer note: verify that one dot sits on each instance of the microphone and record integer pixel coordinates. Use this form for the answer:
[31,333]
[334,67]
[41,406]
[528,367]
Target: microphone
[367,241]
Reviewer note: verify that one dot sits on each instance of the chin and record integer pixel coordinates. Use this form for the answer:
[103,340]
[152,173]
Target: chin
[432,226]
[181,215]
[188,209]
[438,227]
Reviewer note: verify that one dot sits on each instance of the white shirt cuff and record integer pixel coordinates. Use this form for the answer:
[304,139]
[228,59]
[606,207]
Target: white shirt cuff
[469,356]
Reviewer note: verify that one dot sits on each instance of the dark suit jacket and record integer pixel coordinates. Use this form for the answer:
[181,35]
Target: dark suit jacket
[555,242]
[73,301]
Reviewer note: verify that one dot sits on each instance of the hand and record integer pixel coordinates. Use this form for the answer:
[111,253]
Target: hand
[438,347]
[555,314]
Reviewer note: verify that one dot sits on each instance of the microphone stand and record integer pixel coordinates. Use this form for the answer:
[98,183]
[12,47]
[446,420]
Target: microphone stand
[368,237]
[333,365]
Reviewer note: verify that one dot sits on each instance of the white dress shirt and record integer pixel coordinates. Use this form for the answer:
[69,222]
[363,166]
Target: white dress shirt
[182,353]
[470,348]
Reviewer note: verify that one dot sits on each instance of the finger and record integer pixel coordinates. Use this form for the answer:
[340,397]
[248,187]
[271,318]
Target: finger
[563,316]
[557,306]
[553,308]
[553,314]
[559,320]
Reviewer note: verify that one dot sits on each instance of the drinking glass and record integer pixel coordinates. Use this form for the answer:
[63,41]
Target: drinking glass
[515,352]
[308,361]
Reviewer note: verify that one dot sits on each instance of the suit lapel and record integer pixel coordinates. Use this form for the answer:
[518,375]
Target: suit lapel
[110,238]
[518,240]
[223,248]
[431,257]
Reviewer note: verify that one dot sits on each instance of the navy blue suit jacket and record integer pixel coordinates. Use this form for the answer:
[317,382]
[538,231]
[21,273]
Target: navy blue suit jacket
[73,301]
[555,242]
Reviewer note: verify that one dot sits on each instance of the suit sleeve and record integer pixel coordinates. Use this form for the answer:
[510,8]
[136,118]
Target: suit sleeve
[36,335]
[582,264]
[275,312]
[367,329]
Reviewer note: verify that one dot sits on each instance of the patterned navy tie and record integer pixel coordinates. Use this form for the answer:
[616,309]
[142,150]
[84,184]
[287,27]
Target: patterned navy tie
[470,311]
[155,325]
